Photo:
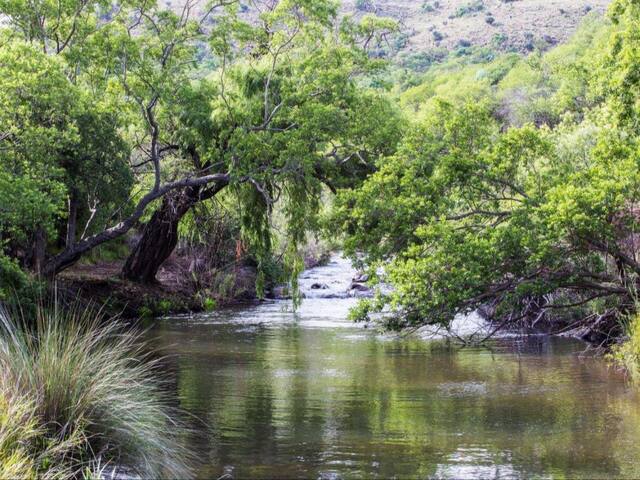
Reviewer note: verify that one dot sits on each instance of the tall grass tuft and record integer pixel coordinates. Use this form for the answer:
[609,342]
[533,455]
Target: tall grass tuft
[627,353]
[17,429]
[89,397]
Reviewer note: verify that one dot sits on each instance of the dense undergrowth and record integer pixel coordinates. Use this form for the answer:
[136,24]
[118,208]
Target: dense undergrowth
[78,397]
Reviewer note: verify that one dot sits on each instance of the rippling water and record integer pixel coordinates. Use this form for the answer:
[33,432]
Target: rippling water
[277,394]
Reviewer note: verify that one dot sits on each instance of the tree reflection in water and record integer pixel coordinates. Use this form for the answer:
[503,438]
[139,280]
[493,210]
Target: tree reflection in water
[279,397]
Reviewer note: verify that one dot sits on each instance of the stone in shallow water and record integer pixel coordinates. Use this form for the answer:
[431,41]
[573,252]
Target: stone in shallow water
[361,278]
[359,287]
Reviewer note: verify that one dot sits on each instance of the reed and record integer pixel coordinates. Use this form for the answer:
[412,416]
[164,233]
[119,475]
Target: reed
[89,397]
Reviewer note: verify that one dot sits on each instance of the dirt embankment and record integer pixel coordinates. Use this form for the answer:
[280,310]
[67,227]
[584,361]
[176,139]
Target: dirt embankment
[179,289]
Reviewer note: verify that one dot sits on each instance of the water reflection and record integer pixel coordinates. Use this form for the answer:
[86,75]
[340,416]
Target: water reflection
[289,399]
[277,394]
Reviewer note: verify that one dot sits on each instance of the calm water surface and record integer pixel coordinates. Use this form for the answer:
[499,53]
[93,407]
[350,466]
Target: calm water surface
[276,394]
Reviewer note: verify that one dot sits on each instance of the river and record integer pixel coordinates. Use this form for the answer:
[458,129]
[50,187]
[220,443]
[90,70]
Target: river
[308,394]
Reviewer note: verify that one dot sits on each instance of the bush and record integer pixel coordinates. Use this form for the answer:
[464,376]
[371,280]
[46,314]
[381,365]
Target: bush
[12,278]
[85,395]
[16,284]
[422,61]
[209,304]
[469,8]
[428,7]
[364,6]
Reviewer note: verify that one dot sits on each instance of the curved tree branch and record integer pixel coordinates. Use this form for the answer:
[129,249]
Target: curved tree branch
[69,256]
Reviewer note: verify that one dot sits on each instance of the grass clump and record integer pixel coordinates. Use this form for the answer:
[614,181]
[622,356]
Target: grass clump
[26,449]
[17,429]
[78,394]
[627,353]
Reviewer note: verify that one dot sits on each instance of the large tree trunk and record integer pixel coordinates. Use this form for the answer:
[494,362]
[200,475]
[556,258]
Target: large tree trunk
[160,236]
[39,250]
[69,256]
[72,221]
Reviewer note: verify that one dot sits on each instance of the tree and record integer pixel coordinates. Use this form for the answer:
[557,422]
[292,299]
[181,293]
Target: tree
[60,153]
[36,121]
[521,223]
[531,223]
[113,64]
[280,118]
[280,122]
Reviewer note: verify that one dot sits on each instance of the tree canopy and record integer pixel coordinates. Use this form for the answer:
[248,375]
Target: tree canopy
[108,114]
[523,221]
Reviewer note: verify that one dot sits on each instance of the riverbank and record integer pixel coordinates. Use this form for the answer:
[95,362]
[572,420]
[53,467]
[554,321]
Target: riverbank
[597,330]
[176,291]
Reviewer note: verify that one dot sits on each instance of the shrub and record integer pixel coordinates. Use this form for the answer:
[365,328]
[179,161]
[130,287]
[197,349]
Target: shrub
[364,5]
[499,39]
[400,41]
[209,304]
[469,8]
[92,397]
[15,283]
[428,7]
[421,61]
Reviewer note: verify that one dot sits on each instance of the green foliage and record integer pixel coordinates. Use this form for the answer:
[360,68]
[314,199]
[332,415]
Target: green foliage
[36,108]
[429,6]
[58,146]
[13,279]
[458,78]
[542,88]
[469,9]
[494,179]
[620,76]
[294,123]
[17,287]
[627,353]
[483,208]
[101,106]
[364,5]
[86,396]
[422,61]
[209,304]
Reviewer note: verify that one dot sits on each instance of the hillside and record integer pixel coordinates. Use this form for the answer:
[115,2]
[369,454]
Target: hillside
[520,25]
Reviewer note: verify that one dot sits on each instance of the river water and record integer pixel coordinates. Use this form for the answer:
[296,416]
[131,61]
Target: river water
[278,394]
